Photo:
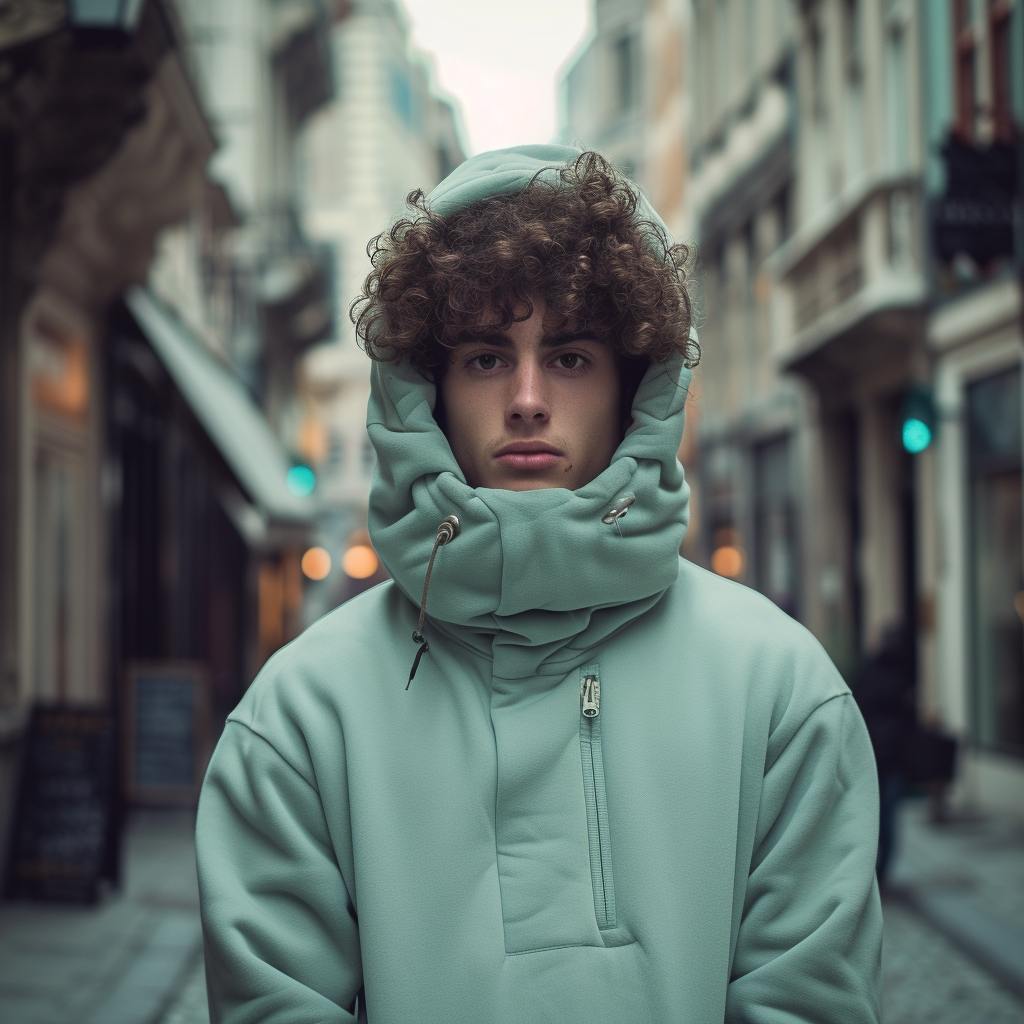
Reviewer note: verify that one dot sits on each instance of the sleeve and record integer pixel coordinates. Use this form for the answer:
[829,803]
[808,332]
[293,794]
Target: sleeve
[279,925]
[809,943]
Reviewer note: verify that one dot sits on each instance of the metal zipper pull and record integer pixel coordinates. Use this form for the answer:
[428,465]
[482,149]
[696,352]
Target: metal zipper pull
[590,696]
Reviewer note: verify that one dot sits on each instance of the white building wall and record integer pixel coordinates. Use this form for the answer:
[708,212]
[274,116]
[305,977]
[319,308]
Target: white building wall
[600,109]
[382,137]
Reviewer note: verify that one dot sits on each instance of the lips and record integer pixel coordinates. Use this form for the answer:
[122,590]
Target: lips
[528,455]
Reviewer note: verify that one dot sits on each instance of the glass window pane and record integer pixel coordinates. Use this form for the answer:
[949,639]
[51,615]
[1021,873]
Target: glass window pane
[994,423]
[997,550]
[774,540]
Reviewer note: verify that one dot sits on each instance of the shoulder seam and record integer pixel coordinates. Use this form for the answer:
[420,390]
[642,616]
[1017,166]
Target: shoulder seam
[810,714]
[817,707]
[255,732]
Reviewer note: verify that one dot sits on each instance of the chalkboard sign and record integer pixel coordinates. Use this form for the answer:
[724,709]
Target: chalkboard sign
[64,840]
[167,725]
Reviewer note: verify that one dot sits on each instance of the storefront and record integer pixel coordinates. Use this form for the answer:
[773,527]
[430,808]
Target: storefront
[207,537]
[977,561]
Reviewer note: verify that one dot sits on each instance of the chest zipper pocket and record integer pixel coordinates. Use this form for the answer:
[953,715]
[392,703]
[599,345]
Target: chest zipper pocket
[597,802]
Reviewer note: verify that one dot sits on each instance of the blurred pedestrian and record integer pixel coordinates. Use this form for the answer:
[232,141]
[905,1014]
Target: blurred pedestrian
[598,783]
[885,692]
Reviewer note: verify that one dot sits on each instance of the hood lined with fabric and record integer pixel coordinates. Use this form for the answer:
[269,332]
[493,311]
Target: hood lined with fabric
[535,578]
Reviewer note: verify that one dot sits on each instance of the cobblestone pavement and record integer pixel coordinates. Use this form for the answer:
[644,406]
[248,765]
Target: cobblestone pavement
[965,875]
[118,962]
[978,854]
[928,980]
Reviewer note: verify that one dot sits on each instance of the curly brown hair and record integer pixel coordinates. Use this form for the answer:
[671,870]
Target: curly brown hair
[577,241]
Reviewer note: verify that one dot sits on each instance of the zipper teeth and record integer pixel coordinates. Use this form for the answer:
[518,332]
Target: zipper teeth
[597,817]
[603,889]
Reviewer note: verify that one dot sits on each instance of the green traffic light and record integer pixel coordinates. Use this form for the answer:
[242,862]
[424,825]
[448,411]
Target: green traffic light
[300,481]
[917,435]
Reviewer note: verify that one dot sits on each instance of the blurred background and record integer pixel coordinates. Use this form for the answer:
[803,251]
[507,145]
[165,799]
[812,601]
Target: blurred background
[187,189]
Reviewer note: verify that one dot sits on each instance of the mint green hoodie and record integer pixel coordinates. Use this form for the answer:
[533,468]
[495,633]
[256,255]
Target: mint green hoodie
[476,848]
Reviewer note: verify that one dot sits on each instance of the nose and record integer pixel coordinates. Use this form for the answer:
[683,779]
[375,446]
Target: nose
[528,400]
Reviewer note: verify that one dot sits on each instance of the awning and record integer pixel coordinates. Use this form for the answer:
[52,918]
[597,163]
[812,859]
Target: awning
[224,408]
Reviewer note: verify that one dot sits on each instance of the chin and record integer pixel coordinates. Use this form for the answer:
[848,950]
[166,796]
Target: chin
[534,483]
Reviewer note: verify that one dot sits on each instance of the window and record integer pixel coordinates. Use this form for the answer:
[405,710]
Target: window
[626,73]
[60,597]
[854,95]
[964,45]
[819,83]
[783,206]
[402,98]
[997,560]
[750,39]
[774,534]
[751,263]
[852,38]
[897,97]
[820,176]
[999,41]
[723,68]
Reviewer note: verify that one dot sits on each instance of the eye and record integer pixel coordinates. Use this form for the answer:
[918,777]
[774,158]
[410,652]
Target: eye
[570,361]
[485,361]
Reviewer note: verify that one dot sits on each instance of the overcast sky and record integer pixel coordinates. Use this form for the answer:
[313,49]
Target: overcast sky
[500,61]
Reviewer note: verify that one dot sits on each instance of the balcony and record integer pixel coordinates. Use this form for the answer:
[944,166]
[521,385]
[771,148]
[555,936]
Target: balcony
[853,286]
[295,288]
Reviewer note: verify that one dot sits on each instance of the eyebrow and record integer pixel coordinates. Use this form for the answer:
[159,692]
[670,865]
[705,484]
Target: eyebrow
[500,340]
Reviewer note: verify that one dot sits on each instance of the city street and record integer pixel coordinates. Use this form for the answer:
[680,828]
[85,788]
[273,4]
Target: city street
[135,959]
[928,980]
[293,293]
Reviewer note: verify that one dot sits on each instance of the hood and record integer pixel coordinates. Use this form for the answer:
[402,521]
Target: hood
[503,171]
[535,579]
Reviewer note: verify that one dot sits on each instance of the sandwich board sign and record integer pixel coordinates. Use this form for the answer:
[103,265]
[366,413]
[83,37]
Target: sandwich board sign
[64,842]
[166,731]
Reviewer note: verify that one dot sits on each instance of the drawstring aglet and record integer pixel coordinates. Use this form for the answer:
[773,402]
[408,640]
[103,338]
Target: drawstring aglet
[419,638]
[448,530]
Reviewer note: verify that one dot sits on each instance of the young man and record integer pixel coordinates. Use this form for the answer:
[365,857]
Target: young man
[550,772]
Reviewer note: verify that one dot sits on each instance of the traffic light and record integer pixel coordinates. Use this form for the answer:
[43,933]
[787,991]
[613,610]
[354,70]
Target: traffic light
[300,481]
[917,423]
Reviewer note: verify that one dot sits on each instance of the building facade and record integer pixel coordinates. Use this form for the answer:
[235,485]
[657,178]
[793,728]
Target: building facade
[753,436]
[623,93]
[860,383]
[146,514]
[849,173]
[972,565]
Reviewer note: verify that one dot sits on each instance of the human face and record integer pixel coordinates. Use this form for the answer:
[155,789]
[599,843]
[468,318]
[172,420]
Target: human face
[527,408]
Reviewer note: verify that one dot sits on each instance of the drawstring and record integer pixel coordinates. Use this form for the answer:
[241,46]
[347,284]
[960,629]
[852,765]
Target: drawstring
[447,531]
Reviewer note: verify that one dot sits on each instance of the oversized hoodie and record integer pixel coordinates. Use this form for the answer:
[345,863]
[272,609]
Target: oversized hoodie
[619,788]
